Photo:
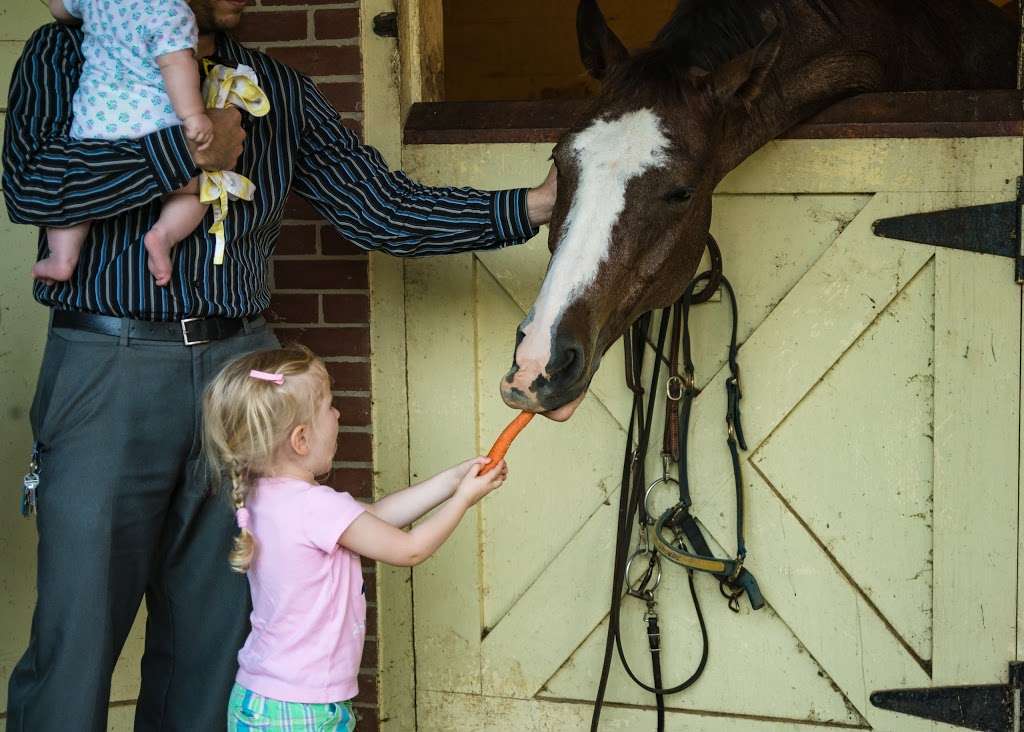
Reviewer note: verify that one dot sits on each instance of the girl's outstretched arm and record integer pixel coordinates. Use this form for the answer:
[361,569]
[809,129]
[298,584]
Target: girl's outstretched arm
[403,507]
[371,537]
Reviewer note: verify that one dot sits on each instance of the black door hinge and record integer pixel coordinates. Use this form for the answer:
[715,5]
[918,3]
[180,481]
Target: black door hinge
[993,228]
[994,708]
[385,25]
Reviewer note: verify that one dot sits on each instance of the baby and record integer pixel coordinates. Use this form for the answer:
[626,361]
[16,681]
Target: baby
[140,76]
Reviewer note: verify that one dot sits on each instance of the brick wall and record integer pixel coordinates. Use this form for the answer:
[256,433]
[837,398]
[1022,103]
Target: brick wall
[321,296]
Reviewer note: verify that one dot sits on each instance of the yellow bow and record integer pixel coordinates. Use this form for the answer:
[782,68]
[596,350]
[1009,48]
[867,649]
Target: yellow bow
[217,189]
[227,86]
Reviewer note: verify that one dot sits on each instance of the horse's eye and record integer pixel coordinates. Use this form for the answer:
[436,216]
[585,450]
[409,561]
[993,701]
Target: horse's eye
[679,195]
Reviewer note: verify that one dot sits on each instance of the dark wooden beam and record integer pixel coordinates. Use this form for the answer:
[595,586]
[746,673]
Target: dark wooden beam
[944,114]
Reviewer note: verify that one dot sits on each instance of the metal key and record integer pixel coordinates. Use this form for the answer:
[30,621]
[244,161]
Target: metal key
[29,485]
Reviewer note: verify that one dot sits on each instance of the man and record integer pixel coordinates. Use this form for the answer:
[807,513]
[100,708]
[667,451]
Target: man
[124,509]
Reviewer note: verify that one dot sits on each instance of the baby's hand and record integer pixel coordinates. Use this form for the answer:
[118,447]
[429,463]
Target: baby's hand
[199,130]
[474,486]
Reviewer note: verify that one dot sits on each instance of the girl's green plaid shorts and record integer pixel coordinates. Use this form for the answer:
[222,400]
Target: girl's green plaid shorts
[248,712]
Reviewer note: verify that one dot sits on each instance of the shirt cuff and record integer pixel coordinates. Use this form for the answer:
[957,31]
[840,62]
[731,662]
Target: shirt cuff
[510,216]
[168,156]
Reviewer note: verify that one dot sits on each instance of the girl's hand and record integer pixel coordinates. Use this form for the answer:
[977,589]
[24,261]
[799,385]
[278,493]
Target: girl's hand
[474,486]
[461,470]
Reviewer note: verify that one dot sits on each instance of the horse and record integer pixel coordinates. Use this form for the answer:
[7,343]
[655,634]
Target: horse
[721,79]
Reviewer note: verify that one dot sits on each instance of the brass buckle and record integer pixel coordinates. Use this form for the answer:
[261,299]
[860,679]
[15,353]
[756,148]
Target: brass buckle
[184,332]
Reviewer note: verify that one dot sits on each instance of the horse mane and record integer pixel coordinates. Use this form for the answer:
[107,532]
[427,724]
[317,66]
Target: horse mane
[708,33]
[700,33]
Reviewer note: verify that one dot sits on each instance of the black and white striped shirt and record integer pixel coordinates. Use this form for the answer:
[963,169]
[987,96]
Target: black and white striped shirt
[51,179]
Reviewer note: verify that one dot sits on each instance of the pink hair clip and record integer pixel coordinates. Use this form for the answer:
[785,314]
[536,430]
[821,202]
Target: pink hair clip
[242,518]
[264,376]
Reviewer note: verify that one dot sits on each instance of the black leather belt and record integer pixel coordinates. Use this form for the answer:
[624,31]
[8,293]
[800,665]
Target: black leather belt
[188,332]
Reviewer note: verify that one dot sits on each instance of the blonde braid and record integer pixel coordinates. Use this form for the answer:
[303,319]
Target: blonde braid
[244,548]
[246,420]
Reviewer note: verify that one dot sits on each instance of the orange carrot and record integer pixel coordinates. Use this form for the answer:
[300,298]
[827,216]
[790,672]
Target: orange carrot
[504,441]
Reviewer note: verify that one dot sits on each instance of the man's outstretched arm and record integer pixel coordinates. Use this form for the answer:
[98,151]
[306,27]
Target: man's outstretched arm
[377,208]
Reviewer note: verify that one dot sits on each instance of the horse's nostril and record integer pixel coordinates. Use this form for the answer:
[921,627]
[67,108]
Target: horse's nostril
[568,364]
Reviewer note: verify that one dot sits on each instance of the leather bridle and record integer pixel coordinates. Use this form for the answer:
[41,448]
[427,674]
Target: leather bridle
[674,535]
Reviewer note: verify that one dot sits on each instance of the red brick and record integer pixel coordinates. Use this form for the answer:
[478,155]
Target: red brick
[367,688]
[367,718]
[328,342]
[294,309]
[298,208]
[355,411]
[320,274]
[370,579]
[370,653]
[347,308]
[297,239]
[354,447]
[344,96]
[371,620]
[350,376]
[357,481]
[320,60]
[333,243]
[336,23]
[355,125]
[260,27]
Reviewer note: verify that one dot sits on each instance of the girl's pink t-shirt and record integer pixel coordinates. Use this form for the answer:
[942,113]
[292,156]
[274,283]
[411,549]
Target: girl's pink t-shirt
[308,602]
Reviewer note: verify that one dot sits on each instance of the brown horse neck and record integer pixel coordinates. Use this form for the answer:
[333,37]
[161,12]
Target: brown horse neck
[869,52]
[801,94]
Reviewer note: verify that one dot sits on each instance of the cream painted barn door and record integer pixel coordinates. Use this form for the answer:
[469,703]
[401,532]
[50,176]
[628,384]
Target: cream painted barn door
[882,411]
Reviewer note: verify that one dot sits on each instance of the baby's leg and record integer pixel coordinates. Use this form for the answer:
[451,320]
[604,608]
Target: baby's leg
[64,244]
[181,214]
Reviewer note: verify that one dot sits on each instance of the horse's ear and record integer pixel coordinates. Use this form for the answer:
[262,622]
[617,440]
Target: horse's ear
[600,48]
[742,79]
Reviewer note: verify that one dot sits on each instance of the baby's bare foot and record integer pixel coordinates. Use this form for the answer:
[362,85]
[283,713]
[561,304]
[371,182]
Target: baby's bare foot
[158,244]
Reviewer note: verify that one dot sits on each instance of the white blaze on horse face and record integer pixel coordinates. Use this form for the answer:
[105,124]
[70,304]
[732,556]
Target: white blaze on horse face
[609,154]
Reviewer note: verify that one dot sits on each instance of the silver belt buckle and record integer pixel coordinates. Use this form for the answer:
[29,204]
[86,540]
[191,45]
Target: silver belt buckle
[184,332]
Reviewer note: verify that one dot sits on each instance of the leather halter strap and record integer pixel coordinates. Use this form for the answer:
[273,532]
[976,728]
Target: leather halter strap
[678,520]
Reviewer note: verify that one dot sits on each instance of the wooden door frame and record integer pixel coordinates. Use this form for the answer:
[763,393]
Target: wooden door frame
[382,125]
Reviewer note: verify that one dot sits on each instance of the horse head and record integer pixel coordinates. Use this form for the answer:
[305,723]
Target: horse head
[635,179]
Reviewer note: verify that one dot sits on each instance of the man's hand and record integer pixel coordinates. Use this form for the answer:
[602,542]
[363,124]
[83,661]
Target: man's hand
[226,147]
[541,200]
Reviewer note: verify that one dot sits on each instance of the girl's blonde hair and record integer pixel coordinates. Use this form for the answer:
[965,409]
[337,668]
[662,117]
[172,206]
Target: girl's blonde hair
[246,421]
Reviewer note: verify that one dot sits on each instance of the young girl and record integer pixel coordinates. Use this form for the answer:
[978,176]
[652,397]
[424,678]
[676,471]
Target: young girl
[140,75]
[270,426]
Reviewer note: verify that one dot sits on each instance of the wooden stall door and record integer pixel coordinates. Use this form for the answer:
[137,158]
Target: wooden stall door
[881,405]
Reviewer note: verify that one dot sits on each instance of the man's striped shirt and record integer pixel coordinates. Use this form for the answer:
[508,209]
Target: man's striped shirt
[51,179]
